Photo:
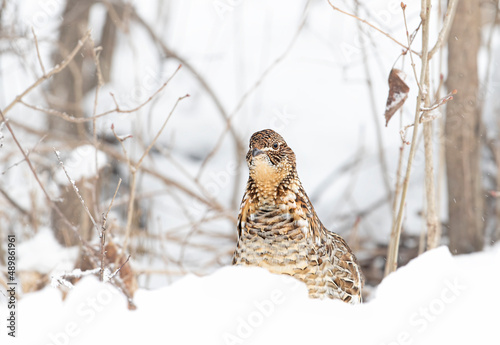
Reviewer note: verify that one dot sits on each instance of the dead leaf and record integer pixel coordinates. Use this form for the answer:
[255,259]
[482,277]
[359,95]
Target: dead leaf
[398,93]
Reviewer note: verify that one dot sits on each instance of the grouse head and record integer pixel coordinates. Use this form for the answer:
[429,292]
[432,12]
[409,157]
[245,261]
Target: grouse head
[270,160]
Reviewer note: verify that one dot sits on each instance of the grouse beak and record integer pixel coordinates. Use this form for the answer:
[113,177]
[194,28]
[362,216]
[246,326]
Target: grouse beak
[256,152]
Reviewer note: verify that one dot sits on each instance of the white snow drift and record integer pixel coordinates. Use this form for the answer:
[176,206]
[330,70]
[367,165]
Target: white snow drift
[435,299]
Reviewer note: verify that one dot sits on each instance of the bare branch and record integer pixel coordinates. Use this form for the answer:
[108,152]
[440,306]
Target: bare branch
[103,230]
[371,93]
[38,51]
[410,40]
[439,103]
[117,109]
[112,152]
[146,152]
[14,203]
[249,92]
[445,30]
[210,202]
[28,152]
[119,268]
[35,175]
[204,84]
[370,25]
[77,192]
[117,20]
[133,173]
[57,68]
[105,216]
[63,278]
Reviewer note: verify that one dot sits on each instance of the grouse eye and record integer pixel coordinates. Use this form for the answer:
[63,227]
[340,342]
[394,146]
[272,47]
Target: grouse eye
[275,146]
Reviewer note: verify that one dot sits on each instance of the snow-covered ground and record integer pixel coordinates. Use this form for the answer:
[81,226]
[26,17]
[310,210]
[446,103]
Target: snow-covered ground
[436,299]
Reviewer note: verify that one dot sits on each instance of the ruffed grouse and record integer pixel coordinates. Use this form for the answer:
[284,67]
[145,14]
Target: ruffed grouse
[278,228]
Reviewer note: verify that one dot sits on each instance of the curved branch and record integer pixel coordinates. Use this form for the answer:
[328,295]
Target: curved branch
[170,53]
[372,26]
[445,30]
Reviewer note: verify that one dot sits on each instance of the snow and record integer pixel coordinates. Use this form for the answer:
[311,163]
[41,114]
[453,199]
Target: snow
[398,96]
[432,115]
[436,299]
[62,277]
[51,256]
[80,163]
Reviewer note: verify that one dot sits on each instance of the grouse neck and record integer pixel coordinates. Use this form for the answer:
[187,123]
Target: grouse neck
[273,190]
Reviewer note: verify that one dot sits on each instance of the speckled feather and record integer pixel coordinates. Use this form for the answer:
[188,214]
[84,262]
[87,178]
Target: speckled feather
[278,228]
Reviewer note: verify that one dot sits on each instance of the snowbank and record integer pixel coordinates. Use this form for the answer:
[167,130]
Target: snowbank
[435,299]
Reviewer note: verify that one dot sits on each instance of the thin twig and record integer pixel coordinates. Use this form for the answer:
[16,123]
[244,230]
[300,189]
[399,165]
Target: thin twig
[169,53]
[372,26]
[146,152]
[242,101]
[426,112]
[27,154]
[210,202]
[100,81]
[57,68]
[96,52]
[35,175]
[335,175]
[445,29]
[103,230]
[131,200]
[438,103]
[117,109]
[119,268]
[38,51]
[14,203]
[120,285]
[409,45]
[121,140]
[63,278]
[115,17]
[375,115]
[110,150]
[77,192]
[105,216]
[133,171]
[150,97]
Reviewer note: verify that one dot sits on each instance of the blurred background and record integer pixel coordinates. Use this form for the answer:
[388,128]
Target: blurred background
[313,74]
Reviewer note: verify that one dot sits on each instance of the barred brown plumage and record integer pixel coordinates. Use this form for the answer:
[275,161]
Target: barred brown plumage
[278,228]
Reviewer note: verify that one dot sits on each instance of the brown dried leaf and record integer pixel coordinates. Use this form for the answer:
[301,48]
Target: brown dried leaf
[398,93]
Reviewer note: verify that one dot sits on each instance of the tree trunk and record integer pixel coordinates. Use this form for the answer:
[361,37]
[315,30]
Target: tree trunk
[67,87]
[462,140]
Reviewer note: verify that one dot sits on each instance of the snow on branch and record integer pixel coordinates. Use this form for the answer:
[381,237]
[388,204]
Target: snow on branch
[62,278]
